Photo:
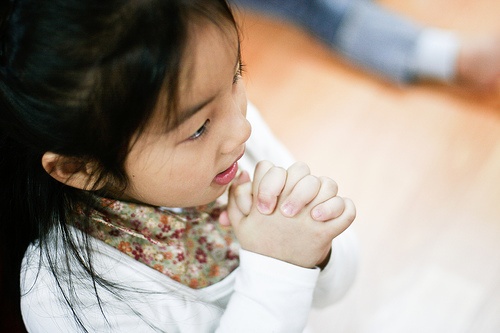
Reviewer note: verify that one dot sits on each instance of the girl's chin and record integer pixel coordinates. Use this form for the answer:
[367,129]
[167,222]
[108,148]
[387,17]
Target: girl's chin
[198,198]
[215,194]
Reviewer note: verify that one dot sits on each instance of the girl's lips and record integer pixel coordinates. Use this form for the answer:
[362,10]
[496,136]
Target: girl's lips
[226,176]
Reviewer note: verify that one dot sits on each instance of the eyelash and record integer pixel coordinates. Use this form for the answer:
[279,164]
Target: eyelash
[201,131]
[239,73]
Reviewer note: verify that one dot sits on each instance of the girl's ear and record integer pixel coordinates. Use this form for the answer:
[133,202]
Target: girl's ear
[71,171]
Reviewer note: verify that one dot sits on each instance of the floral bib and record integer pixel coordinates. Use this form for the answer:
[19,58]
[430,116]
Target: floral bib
[188,245]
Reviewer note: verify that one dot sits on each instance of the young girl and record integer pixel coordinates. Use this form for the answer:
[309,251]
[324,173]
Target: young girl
[122,124]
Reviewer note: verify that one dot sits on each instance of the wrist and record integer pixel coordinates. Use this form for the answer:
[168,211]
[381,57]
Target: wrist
[326,260]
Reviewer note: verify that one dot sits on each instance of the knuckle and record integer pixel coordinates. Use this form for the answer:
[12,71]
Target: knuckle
[338,203]
[312,180]
[279,170]
[350,211]
[261,168]
[275,172]
[329,185]
[264,164]
[273,182]
[300,167]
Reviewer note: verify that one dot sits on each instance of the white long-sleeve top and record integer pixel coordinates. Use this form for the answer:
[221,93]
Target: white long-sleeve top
[262,295]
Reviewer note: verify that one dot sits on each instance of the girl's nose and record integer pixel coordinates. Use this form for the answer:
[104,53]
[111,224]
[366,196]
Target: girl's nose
[239,130]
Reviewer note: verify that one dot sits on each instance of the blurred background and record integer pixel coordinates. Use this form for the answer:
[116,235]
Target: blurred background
[421,162]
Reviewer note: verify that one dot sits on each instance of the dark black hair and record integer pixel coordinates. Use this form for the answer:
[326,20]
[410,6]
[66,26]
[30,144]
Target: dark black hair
[79,78]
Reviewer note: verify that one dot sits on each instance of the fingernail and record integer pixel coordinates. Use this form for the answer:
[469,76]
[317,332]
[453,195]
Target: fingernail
[317,214]
[264,207]
[288,209]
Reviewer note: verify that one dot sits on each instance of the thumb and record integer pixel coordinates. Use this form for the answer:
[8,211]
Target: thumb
[239,201]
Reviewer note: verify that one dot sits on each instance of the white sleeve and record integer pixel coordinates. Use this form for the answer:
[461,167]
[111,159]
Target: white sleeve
[338,276]
[269,296]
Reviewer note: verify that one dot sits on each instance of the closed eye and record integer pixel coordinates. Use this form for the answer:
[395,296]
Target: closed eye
[202,130]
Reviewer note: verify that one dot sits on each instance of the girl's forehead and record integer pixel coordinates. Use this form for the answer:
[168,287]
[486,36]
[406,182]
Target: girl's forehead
[211,48]
[204,35]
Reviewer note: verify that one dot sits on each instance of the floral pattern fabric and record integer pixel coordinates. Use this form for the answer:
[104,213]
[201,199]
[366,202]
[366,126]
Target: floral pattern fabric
[188,245]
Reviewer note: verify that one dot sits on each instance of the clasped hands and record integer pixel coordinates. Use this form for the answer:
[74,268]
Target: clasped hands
[289,215]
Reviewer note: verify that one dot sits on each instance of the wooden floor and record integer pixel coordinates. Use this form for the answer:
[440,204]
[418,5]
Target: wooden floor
[422,164]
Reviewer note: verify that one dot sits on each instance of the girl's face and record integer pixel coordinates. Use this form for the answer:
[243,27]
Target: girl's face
[194,163]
